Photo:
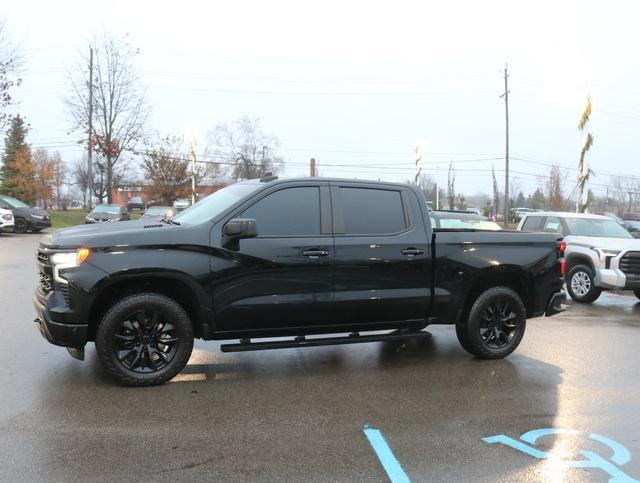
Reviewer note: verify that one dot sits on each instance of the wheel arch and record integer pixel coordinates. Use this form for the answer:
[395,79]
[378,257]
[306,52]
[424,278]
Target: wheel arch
[574,259]
[510,277]
[170,285]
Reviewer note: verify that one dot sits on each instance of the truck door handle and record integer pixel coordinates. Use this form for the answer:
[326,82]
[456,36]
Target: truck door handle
[412,251]
[315,253]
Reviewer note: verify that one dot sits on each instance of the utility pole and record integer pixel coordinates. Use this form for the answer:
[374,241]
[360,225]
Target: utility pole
[437,188]
[506,157]
[90,137]
[312,167]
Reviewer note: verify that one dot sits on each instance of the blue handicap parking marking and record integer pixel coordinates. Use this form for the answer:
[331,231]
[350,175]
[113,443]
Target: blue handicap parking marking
[389,462]
[620,455]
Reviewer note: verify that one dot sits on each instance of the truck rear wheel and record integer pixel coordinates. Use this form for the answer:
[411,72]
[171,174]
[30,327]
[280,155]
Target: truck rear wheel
[144,339]
[581,284]
[495,325]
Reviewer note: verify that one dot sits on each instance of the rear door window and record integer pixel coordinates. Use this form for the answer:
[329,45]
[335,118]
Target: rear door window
[553,225]
[370,211]
[532,223]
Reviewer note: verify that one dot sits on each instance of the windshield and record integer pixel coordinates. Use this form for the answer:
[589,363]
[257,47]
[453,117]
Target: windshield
[596,227]
[113,209]
[14,203]
[214,204]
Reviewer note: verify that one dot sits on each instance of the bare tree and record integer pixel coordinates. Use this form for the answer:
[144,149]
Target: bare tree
[451,187]
[10,61]
[496,191]
[119,108]
[59,171]
[44,175]
[245,147]
[80,178]
[553,188]
[428,186]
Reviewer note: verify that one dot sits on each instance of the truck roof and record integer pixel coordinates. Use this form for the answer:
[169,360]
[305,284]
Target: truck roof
[566,214]
[275,179]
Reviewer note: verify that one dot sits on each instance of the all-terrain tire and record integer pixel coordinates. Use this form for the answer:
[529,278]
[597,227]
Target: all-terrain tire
[108,337]
[495,325]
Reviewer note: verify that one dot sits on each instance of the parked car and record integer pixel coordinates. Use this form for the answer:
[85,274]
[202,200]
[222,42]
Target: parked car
[181,204]
[158,213]
[600,254]
[631,215]
[471,209]
[107,212]
[289,258]
[518,213]
[6,220]
[25,218]
[461,220]
[136,203]
[633,227]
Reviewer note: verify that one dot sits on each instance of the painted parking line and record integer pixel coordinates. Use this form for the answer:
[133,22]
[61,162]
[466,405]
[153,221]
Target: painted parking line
[389,462]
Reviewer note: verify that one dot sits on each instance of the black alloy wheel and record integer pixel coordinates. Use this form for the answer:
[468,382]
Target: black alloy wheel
[20,225]
[144,339]
[499,323]
[495,325]
[145,342]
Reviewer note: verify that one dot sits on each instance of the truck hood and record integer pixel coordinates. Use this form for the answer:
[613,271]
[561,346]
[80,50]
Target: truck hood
[122,233]
[622,244]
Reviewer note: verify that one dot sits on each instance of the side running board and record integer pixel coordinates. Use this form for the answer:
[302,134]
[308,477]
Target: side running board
[302,341]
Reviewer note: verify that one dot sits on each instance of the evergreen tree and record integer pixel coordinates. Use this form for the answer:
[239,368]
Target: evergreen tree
[17,174]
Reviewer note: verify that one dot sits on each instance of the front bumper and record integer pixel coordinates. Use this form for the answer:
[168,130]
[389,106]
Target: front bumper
[36,224]
[64,334]
[555,304]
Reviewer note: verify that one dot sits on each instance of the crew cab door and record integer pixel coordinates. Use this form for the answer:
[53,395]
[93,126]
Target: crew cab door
[283,277]
[382,262]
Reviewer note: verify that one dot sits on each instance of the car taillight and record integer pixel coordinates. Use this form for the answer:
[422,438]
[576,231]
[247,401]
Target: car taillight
[561,247]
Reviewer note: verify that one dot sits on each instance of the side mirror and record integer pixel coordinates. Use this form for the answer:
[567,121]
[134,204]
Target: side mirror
[236,229]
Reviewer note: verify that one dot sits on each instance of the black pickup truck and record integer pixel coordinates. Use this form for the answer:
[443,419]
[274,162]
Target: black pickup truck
[306,262]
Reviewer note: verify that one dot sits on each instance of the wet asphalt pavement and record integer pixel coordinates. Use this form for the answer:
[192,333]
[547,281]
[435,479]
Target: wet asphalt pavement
[299,414]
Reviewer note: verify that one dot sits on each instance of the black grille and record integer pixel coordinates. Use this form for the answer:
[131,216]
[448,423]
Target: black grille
[43,257]
[46,282]
[64,289]
[630,265]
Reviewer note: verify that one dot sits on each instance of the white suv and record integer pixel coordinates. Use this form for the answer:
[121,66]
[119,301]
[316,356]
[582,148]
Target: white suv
[600,254]
[6,219]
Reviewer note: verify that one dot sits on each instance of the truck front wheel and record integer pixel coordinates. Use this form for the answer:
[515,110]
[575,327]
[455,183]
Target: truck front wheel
[144,339]
[495,325]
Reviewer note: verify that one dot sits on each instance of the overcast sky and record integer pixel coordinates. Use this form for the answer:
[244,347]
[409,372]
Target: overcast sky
[359,84]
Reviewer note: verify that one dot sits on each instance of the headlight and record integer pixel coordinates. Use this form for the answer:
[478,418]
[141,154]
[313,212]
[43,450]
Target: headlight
[61,261]
[37,217]
[604,253]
